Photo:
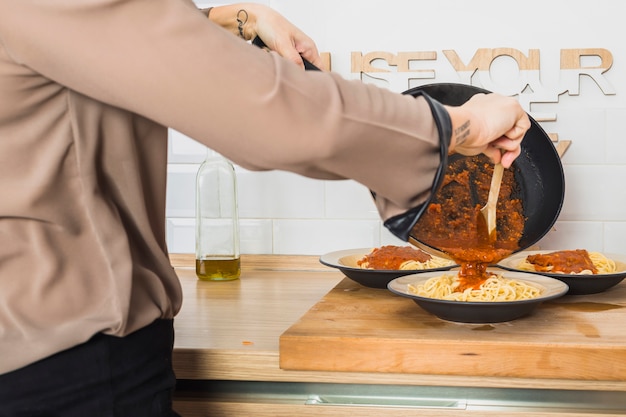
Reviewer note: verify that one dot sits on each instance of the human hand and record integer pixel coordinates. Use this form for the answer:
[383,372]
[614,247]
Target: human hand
[249,20]
[491,124]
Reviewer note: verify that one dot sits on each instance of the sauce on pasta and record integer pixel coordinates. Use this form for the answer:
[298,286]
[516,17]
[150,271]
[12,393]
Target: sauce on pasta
[392,257]
[579,261]
[566,261]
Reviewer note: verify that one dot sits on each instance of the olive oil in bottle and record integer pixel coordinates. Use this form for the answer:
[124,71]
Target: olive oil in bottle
[217,220]
[218,269]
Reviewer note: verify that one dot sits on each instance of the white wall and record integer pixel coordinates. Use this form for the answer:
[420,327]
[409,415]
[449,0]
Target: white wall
[283,213]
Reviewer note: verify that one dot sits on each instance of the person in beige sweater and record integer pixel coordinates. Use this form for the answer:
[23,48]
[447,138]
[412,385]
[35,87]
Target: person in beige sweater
[87,92]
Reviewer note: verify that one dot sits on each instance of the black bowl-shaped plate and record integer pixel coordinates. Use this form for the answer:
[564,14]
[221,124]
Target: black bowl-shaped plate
[346,262]
[481,311]
[578,284]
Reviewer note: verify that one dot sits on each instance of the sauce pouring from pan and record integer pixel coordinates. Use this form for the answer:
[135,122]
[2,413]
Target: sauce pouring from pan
[530,199]
[454,224]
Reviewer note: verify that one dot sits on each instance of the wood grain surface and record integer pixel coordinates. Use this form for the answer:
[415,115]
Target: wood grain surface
[231,330]
[354,328]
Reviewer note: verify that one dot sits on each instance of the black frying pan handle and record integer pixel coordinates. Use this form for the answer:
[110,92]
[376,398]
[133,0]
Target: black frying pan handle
[307,64]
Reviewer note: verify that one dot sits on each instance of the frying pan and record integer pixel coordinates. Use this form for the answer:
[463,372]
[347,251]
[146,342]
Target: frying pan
[538,171]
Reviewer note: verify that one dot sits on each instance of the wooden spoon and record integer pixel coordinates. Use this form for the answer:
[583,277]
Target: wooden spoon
[489,209]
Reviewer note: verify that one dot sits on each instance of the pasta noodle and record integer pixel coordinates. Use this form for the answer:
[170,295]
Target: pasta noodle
[602,264]
[495,288]
[432,263]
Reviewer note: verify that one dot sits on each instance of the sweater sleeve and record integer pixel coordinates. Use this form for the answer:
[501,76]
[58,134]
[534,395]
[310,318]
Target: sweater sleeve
[164,60]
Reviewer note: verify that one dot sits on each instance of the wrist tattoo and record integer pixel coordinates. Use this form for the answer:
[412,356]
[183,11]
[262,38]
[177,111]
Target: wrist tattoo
[242,19]
[462,132]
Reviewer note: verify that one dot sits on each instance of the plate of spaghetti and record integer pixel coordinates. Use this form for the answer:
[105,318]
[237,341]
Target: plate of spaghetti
[585,272]
[504,296]
[375,267]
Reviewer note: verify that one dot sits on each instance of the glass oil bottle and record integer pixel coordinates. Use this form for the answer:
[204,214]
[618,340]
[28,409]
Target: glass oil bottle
[217,220]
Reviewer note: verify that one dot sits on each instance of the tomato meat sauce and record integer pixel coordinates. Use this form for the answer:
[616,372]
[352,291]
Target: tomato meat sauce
[392,257]
[566,261]
[453,224]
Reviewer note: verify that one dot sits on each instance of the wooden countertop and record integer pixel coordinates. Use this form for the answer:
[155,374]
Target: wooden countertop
[231,330]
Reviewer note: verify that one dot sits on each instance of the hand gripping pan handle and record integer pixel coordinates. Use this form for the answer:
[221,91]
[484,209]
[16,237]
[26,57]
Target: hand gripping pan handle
[307,64]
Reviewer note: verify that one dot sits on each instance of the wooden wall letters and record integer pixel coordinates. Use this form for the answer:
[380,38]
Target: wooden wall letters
[397,71]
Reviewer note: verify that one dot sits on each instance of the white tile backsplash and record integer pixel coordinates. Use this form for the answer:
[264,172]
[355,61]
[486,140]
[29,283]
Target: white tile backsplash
[586,128]
[257,236]
[594,193]
[181,190]
[184,150]
[615,237]
[181,235]
[275,194]
[615,150]
[573,235]
[315,237]
[284,213]
[349,200]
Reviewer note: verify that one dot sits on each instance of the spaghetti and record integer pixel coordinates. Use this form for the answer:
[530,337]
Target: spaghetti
[576,262]
[433,263]
[496,289]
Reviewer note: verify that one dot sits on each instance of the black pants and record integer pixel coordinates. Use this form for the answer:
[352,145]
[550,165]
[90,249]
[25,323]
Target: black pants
[104,377]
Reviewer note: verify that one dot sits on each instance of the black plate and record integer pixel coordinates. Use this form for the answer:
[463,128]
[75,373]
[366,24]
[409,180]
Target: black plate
[345,261]
[480,312]
[578,284]
[538,170]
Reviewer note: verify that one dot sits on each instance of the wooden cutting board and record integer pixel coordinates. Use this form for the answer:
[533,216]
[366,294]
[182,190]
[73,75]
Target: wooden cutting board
[358,329]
